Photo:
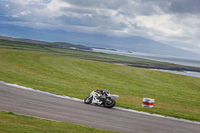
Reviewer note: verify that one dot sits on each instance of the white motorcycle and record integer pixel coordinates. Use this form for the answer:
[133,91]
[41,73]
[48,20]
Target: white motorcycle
[101,98]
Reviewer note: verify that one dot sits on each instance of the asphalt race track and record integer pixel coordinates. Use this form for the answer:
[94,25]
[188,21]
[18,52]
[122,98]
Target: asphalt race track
[46,106]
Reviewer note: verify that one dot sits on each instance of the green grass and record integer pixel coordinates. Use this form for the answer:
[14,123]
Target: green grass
[13,123]
[76,53]
[67,72]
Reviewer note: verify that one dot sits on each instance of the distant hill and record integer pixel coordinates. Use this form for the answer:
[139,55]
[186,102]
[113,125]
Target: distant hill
[134,44]
[55,44]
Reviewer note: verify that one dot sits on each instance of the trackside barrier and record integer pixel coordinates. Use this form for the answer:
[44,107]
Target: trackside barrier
[148,103]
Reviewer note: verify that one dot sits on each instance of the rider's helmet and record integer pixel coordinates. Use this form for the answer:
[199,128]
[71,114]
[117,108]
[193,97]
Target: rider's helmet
[106,92]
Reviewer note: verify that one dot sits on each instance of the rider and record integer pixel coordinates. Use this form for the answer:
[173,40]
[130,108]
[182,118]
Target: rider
[102,92]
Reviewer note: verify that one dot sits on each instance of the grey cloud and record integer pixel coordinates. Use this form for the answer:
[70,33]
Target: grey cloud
[174,6]
[184,6]
[80,11]
[77,21]
[108,4]
[100,22]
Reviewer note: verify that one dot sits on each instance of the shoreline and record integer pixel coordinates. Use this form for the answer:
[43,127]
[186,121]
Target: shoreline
[167,67]
[174,70]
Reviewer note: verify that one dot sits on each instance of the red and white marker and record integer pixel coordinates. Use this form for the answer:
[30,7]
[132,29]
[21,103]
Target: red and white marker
[148,103]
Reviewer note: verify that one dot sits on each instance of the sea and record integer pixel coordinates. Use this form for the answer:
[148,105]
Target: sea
[169,59]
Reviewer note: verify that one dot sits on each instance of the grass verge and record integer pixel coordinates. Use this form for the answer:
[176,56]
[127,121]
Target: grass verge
[14,123]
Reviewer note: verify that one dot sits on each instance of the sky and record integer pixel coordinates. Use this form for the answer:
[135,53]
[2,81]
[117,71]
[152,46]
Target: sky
[173,22]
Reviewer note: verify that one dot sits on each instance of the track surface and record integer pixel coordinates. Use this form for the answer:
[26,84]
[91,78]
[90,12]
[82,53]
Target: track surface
[50,107]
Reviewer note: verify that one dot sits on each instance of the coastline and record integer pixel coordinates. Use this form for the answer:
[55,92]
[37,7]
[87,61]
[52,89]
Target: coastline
[164,63]
[176,70]
[163,67]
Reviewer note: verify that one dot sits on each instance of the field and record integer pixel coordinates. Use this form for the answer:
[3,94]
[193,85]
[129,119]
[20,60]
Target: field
[76,73]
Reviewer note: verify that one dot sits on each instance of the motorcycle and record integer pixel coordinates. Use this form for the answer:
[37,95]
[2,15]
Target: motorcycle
[106,99]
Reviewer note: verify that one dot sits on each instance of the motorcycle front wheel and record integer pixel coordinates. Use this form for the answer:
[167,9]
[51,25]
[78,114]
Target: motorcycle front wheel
[88,100]
[110,103]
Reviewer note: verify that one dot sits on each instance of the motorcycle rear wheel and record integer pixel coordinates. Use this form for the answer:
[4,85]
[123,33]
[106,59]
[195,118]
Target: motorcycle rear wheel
[109,104]
[88,100]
